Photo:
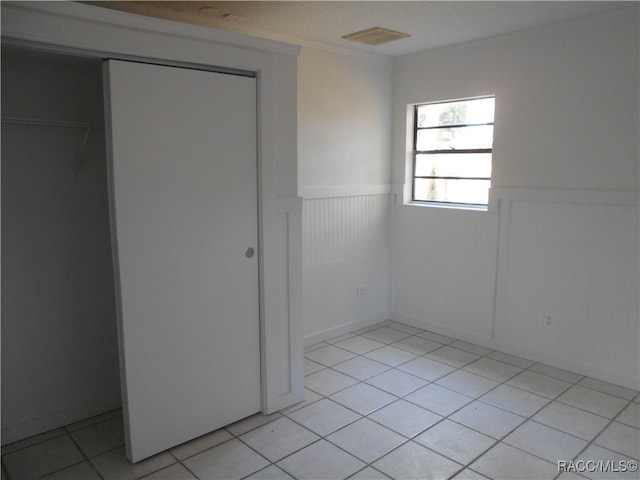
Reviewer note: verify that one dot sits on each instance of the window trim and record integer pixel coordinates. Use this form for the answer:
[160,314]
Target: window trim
[415,152]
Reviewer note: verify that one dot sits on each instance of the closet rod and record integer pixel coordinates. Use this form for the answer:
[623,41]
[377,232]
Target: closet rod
[47,123]
[57,123]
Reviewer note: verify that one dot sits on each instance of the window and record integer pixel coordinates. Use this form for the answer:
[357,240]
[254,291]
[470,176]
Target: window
[452,146]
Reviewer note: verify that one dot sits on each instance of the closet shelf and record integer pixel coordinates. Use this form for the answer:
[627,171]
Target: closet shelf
[40,122]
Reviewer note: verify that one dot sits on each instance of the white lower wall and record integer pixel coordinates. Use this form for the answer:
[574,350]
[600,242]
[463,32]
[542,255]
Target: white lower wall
[444,268]
[577,263]
[492,277]
[345,246]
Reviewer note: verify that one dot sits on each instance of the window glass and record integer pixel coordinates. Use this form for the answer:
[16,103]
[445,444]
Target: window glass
[452,148]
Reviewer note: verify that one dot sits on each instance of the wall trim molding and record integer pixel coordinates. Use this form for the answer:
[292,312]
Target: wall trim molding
[549,195]
[331,191]
[345,328]
[75,413]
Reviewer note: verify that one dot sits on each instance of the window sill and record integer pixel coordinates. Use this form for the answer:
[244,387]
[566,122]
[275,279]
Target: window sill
[450,206]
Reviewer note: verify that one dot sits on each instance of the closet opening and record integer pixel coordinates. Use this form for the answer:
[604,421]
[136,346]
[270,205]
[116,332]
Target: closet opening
[59,327]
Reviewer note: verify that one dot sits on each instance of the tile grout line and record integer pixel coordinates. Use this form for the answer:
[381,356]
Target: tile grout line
[361,333]
[478,398]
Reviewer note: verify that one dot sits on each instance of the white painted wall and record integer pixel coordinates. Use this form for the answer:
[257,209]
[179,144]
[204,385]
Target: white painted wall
[59,344]
[563,235]
[344,137]
[346,246]
[344,103]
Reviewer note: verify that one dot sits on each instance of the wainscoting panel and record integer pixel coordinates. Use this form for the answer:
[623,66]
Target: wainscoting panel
[345,263]
[568,285]
[444,269]
[551,275]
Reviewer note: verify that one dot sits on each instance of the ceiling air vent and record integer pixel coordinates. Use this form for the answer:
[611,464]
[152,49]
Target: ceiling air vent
[375,36]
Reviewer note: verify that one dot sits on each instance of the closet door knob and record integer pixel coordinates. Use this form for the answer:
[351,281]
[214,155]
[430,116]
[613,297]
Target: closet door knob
[249,253]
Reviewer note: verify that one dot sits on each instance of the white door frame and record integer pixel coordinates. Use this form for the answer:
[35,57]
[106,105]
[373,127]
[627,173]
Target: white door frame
[73,28]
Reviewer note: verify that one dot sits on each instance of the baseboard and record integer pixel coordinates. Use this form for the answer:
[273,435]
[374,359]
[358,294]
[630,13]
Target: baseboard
[604,374]
[36,426]
[344,328]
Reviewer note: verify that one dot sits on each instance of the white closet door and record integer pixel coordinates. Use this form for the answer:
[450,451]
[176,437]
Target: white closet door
[184,213]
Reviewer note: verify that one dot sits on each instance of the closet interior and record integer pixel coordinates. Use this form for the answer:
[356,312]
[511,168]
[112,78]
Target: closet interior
[59,332]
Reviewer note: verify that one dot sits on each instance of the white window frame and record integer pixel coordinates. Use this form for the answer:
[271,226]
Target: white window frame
[413,152]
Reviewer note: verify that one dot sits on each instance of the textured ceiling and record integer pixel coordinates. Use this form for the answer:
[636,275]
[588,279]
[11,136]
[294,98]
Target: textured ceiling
[431,24]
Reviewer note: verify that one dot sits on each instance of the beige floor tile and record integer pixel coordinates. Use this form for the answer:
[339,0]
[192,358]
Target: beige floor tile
[386,335]
[312,367]
[391,356]
[426,368]
[329,355]
[200,444]
[609,388]
[359,344]
[324,417]
[405,418]
[327,382]
[397,382]
[114,465]
[509,463]
[249,423]
[95,419]
[405,328]
[571,420]
[436,337]
[471,347]
[42,458]
[339,338]
[453,356]
[361,368]
[593,401]
[415,461]
[363,398]
[174,472]
[545,442]
[321,461]
[309,398]
[511,359]
[539,384]
[595,455]
[468,474]
[515,400]
[438,399]
[232,459]
[486,419]
[80,471]
[27,442]
[100,437]
[493,369]
[278,438]
[366,440]
[270,473]
[554,372]
[455,441]
[622,439]
[570,476]
[417,345]
[467,383]
[369,473]
[630,415]
[315,346]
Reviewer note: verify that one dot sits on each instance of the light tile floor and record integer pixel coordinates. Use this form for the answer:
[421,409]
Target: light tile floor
[388,401]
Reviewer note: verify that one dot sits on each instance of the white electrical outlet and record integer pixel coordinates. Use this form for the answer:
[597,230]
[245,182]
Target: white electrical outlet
[547,318]
[361,291]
